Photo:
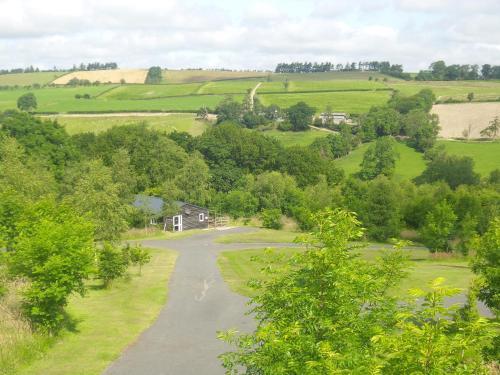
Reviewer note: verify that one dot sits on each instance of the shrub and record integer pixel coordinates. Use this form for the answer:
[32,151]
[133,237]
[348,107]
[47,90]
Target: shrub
[139,257]
[271,218]
[111,264]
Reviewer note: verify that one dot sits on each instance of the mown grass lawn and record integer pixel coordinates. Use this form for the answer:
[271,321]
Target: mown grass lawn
[259,236]
[239,267]
[107,321]
[173,122]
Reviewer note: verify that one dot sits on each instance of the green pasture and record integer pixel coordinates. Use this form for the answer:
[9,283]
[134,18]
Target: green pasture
[296,138]
[62,100]
[483,90]
[150,91]
[259,236]
[486,156]
[106,322]
[354,102]
[331,85]
[26,79]
[167,123]
[239,267]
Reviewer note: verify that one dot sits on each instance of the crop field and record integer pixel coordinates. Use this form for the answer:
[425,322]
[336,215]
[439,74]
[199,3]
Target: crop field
[355,102]
[192,75]
[106,76]
[141,92]
[26,79]
[411,163]
[455,118]
[62,100]
[458,90]
[228,87]
[167,122]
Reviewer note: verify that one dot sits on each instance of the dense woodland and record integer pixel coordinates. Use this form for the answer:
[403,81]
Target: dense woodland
[75,193]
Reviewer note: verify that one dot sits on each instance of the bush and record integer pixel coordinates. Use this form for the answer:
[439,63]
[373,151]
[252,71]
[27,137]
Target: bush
[285,126]
[271,219]
[111,264]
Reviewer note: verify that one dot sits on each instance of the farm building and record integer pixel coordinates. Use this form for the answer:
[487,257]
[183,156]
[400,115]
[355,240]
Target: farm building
[335,117]
[183,216]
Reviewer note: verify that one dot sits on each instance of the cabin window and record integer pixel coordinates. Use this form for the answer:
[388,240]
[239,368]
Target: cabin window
[201,216]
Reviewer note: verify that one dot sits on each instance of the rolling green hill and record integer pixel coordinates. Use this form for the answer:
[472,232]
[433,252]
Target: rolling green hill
[26,79]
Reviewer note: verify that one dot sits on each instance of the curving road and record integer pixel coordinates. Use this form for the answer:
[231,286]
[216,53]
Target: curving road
[183,339]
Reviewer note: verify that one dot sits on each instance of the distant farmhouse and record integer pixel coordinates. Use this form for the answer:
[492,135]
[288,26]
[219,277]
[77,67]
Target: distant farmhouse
[336,117]
[186,216]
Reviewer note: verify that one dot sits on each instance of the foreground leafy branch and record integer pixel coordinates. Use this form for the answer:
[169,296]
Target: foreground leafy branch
[329,311]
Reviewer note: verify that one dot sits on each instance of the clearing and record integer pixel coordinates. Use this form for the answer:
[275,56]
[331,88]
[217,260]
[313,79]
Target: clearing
[455,118]
[411,163]
[106,76]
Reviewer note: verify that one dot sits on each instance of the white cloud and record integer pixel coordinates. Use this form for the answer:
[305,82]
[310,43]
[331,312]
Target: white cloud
[199,33]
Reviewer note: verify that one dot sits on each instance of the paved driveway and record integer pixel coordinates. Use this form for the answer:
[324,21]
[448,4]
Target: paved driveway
[183,338]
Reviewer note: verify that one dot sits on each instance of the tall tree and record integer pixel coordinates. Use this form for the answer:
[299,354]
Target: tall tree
[96,196]
[27,102]
[300,116]
[379,159]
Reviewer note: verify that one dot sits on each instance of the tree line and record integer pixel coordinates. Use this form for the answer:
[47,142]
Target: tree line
[384,67]
[439,71]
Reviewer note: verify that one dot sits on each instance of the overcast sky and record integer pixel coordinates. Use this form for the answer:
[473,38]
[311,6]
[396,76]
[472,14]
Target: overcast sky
[247,34]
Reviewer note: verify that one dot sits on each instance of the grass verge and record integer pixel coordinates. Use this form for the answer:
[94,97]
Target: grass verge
[259,236]
[106,322]
[239,267]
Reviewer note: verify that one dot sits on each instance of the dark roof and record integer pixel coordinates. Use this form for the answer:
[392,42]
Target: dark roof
[154,204]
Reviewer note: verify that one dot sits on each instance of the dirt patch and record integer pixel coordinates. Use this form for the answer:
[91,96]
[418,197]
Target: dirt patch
[455,118]
[105,76]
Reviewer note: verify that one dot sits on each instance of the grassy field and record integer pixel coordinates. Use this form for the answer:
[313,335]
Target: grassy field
[326,76]
[356,102]
[62,100]
[486,155]
[172,122]
[238,267]
[331,85]
[483,90]
[107,321]
[25,79]
[411,163]
[296,138]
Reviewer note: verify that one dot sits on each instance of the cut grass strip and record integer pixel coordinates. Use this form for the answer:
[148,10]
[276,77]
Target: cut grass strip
[107,321]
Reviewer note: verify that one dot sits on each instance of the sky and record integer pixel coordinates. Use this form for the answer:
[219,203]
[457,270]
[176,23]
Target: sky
[251,35]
